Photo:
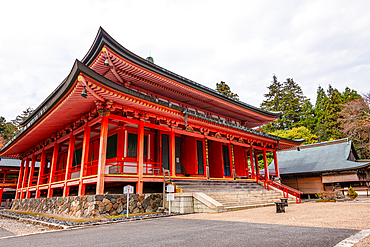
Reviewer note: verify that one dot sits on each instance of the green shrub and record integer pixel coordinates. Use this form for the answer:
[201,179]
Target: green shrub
[352,193]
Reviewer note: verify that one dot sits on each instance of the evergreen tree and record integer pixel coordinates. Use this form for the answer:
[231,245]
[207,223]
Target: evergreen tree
[7,129]
[293,101]
[307,116]
[23,116]
[223,88]
[320,113]
[273,102]
[286,97]
[333,107]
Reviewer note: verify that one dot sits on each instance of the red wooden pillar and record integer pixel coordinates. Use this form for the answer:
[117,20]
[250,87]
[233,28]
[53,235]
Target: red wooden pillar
[102,155]
[25,174]
[276,165]
[84,158]
[205,159]
[41,172]
[1,192]
[53,165]
[173,152]
[267,176]
[231,160]
[252,163]
[19,184]
[71,149]
[30,176]
[257,166]
[2,188]
[121,146]
[140,158]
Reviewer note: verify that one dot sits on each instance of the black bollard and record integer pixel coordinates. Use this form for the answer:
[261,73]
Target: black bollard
[280,207]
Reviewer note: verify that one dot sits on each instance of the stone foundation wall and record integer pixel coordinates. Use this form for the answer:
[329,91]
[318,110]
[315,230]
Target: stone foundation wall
[186,203]
[90,205]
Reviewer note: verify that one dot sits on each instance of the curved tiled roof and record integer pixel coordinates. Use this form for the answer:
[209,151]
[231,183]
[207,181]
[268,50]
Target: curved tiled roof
[321,157]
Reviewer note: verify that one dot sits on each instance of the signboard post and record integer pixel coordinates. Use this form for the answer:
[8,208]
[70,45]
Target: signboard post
[128,189]
[170,196]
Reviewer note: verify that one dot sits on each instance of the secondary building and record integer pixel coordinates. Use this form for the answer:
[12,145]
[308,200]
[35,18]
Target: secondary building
[323,167]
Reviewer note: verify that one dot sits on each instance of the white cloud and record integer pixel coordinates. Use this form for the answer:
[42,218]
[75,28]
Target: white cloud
[240,42]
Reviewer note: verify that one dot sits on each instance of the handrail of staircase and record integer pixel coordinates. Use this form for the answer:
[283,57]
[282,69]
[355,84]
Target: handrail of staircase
[285,189]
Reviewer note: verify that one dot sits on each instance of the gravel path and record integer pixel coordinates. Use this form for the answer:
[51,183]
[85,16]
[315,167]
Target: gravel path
[348,215]
[19,228]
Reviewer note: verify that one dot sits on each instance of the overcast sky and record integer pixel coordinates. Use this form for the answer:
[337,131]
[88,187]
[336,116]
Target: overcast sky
[240,42]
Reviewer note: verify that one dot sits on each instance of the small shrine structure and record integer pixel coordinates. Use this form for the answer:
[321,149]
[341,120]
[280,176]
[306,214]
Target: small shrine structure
[119,119]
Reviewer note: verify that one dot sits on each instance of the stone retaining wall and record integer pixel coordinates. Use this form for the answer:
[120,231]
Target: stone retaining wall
[187,203]
[90,205]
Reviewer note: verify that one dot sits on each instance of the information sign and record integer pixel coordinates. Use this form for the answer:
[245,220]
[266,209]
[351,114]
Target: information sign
[170,197]
[170,188]
[128,189]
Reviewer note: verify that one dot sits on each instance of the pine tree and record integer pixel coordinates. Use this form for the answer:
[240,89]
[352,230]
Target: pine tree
[333,108]
[23,116]
[286,97]
[307,116]
[223,88]
[320,113]
[292,103]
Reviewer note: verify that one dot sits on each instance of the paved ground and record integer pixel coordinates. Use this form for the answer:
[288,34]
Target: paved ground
[5,233]
[186,232]
[348,215]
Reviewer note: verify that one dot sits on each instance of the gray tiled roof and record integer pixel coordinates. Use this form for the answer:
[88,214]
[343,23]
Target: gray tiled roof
[10,162]
[13,162]
[322,157]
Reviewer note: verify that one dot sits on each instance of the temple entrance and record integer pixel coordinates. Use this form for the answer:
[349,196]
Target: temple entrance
[189,156]
[240,161]
[219,159]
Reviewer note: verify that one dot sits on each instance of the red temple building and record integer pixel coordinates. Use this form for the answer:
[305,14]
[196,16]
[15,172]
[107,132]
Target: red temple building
[119,119]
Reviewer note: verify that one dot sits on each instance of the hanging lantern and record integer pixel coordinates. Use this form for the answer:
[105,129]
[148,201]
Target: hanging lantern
[106,63]
[84,93]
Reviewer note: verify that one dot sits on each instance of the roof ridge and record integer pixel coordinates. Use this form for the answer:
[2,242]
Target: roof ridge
[320,144]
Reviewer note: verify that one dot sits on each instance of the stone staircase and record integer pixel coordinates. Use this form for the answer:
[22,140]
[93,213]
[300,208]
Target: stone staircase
[233,195]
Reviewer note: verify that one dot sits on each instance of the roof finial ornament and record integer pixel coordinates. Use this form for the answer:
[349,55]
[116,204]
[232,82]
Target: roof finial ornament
[150,58]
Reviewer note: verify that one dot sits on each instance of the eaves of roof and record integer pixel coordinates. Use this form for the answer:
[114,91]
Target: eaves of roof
[47,105]
[103,38]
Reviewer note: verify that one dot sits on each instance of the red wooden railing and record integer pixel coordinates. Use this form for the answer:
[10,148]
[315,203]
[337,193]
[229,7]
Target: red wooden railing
[9,181]
[59,175]
[285,189]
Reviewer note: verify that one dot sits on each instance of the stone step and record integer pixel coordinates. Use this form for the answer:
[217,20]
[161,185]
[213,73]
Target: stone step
[253,199]
[239,194]
[235,208]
